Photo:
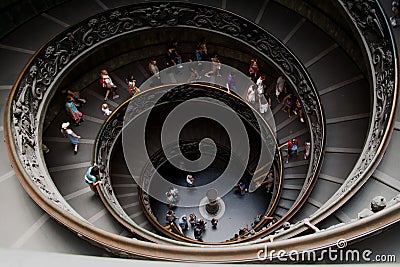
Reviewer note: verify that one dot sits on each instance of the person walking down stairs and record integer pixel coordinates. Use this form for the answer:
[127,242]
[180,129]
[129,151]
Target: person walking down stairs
[71,135]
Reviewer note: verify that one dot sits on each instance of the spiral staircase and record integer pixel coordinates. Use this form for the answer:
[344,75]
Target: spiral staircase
[354,145]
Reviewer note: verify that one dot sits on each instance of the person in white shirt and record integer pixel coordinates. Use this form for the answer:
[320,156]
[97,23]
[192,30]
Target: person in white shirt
[189,180]
[280,87]
[260,85]
[251,95]
[106,110]
[108,84]
[71,135]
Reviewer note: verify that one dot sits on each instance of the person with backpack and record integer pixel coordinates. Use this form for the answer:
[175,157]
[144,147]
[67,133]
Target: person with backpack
[292,147]
[92,177]
[107,83]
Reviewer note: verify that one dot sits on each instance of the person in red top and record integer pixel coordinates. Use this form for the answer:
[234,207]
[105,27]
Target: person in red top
[292,147]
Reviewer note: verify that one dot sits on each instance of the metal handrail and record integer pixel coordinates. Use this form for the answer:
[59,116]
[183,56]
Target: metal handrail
[370,22]
[26,107]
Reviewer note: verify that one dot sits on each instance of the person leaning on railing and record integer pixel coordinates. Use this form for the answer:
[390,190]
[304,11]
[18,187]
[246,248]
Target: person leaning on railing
[92,177]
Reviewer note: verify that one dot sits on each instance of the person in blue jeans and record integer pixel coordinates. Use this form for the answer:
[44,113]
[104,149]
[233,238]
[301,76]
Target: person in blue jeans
[240,188]
[71,135]
[173,58]
[183,223]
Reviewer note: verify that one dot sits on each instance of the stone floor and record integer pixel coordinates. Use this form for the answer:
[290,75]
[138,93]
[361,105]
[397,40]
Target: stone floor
[236,210]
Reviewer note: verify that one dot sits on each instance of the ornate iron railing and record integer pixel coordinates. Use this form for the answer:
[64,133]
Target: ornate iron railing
[30,96]
[369,20]
[106,140]
[111,131]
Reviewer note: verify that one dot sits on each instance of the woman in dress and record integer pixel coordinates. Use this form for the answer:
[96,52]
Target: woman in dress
[76,115]
[251,94]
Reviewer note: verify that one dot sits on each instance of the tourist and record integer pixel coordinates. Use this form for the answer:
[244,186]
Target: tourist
[264,102]
[133,89]
[189,180]
[203,47]
[71,135]
[253,69]
[198,232]
[280,87]
[240,188]
[73,111]
[105,109]
[153,69]
[201,223]
[292,147]
[172,57]
[288,103]
[260,85]
[396,11]
[194,74]
[183,223]
[215,67]
[251,94]
[256,220]
[170,217]
[298,109]
[214,223]
[107,83]
[172,197]
[307,149]
[192,219]
[243,232]
[231,84]
[92,177]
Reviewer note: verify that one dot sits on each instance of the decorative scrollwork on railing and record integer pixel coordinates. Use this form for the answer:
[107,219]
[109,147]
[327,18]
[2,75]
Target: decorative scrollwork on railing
[105,141]
[375,32]
[370,21]
[111,131]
